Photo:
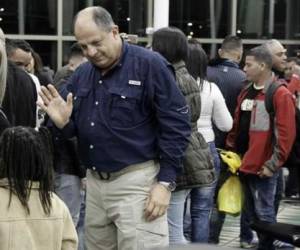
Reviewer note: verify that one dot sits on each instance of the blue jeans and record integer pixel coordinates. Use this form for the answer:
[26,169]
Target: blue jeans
[201,207]
[202,200]
[175,217]
[67,187]
[80,224]
[259,203]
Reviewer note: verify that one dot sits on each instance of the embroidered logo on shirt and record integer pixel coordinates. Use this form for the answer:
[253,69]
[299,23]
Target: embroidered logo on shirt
[133,82]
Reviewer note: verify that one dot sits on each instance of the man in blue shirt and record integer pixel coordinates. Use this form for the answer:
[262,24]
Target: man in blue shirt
[132,124]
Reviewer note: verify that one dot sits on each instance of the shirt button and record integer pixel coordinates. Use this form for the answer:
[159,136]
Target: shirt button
[91,146]
[94,168]
[96,103]
[100,81]
[92,124]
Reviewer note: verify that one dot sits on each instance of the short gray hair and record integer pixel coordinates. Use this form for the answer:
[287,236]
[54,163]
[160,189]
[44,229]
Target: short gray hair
[261,54]
[270,44]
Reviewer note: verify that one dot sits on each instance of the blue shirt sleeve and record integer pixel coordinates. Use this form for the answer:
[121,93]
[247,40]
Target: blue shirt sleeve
[173,118]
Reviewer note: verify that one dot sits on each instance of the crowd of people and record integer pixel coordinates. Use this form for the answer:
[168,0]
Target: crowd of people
[119,149]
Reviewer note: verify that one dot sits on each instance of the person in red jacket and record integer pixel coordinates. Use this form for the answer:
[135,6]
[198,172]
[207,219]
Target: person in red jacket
[264,147]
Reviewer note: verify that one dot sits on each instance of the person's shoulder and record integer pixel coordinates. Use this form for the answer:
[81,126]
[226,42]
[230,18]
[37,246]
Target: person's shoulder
[58,205]
[214,86]
[85,66]
[145,55]
[84,69]
[282,90]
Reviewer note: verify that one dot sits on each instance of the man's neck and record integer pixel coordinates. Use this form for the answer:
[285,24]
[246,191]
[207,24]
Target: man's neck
[118,57]
[263,79]
[230,57]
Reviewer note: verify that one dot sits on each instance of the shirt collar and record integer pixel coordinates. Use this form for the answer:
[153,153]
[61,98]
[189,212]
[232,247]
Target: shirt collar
[269,82]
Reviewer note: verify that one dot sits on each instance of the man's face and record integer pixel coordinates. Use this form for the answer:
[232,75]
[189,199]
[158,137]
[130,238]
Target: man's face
[21,58]
[75,61]
[279,57]
[289,70]
[99,46]
[252,69]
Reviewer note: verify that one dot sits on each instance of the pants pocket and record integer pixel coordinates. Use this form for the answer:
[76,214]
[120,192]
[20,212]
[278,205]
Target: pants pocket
[153,234]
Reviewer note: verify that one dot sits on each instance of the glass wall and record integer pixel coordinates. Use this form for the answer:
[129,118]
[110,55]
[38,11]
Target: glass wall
[29,17]
[48,24]
[203,19]
[130,15]
[265,19]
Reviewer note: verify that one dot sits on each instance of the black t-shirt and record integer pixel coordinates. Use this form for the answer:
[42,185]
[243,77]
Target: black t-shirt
[242,139]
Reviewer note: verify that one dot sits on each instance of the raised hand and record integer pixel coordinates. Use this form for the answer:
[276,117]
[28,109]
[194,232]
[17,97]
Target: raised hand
[55,106]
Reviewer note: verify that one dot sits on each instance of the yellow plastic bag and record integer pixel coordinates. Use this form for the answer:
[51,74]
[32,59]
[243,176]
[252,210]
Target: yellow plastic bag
[233,160]
[230,196]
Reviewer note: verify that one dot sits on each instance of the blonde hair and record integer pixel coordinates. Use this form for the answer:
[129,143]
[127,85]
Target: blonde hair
[3,67]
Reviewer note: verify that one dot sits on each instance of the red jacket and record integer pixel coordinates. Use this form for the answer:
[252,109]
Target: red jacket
[262,150]
[294,84]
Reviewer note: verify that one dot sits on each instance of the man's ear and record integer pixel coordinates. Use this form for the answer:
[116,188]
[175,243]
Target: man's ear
[220,52]
[262,66]
[115,30]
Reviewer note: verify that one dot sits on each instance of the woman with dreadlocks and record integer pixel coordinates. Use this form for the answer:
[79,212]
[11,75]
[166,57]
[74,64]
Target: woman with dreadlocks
[31,215]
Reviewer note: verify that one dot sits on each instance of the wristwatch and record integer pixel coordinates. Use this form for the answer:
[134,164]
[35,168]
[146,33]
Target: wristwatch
[170,186]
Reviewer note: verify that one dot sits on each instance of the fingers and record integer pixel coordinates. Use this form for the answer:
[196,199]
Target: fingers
[154,214]
[153,211]
[52,90]
[42,105]
[149,208]
[69,99]
[47,94]
[44,95]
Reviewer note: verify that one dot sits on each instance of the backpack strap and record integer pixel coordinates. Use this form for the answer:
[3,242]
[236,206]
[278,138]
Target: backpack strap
[269,97]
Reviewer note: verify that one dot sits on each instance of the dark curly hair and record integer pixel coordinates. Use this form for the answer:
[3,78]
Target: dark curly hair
[26,157]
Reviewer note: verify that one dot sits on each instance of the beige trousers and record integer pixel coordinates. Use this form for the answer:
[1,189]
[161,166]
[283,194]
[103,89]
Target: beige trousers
[115,211]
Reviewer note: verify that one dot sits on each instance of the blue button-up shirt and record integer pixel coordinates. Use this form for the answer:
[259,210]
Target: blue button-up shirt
[133,113]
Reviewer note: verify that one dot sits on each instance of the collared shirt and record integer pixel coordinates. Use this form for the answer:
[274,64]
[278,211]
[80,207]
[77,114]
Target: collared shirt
[133,113]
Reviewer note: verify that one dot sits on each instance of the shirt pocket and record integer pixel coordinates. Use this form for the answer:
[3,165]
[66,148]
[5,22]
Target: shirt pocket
[78,100]
[124,106]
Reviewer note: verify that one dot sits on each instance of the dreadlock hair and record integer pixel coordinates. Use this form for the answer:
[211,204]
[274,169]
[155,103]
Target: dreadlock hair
[26,157]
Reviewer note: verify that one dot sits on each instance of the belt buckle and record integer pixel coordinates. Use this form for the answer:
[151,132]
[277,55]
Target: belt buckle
[105,178]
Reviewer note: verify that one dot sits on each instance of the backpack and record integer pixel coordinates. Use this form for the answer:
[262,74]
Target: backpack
[294,156]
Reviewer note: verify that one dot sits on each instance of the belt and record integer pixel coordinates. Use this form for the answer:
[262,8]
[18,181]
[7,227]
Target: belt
[109,176]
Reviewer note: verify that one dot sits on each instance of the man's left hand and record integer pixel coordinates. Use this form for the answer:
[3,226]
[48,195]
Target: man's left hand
[265,172]
[157,202]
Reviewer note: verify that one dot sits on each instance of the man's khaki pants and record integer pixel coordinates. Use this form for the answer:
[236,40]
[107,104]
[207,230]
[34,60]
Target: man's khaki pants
[115,211]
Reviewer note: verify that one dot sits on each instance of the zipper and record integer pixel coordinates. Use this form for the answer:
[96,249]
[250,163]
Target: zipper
[254,112]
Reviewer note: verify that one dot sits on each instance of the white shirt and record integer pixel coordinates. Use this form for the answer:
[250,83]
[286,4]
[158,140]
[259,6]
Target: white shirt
[39,112]
[213,111]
